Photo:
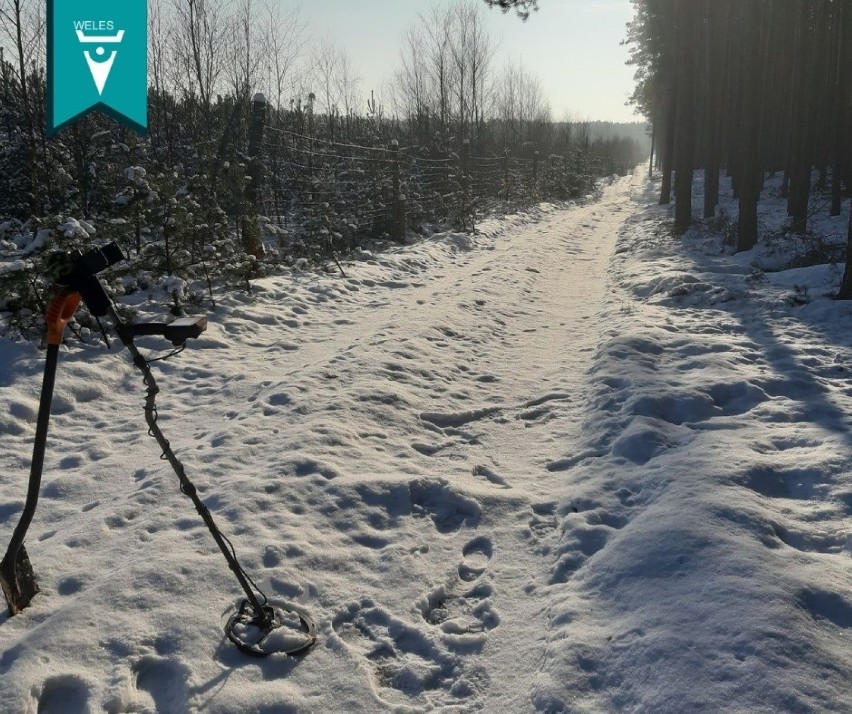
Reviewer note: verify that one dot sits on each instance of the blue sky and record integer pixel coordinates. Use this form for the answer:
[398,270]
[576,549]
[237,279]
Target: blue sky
[571,45]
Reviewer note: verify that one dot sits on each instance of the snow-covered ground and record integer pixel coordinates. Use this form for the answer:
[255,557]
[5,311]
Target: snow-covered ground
[569,464]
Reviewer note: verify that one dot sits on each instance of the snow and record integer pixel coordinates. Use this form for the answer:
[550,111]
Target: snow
[40,240]
[567,464]
[73,227]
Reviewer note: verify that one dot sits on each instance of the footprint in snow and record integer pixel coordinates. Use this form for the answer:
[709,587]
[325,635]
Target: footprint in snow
[476,554]
[582,538]
[813,541]
[826,607]
[65,694]
[161,685]
[543,522]
[462,607]
[408,665]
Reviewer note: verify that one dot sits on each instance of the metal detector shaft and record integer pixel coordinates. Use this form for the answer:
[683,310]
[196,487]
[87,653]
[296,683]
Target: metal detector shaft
[16,574]
[186,486]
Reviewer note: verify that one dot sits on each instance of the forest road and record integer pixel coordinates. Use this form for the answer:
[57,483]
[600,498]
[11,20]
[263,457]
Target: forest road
[457,370]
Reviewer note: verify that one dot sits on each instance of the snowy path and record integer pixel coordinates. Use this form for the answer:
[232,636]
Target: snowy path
[382,449]
[459,386]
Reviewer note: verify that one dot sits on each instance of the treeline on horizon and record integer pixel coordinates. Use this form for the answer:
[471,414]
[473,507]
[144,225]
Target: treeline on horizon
[208,58]
[754,88]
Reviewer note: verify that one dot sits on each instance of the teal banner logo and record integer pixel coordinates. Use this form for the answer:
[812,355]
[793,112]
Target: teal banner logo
[97,60]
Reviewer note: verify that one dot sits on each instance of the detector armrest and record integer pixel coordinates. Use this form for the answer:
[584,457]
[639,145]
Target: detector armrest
[177,332]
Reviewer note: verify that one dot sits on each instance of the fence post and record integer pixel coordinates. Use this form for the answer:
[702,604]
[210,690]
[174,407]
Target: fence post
[466,203]
[251,226]
[506,174]
[535,174]
[398,211]
[550,180]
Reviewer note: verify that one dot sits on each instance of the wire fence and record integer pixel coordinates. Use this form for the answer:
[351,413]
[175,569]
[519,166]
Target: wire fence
[328,195]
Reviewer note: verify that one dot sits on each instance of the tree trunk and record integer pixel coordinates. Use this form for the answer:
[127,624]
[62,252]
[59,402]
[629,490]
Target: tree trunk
[711,187]
[800,170]
[836,189]
[669,146]
[653,146]
[713,90]
[685,148]
[251,237]
[840,88]
[800,191]
[822,182]
[845,292]
[751,169]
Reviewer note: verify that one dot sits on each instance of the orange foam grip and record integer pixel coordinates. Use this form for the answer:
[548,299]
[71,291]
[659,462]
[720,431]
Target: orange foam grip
[59,312]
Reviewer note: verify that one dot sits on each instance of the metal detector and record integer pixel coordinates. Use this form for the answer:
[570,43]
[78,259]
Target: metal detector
[252,623]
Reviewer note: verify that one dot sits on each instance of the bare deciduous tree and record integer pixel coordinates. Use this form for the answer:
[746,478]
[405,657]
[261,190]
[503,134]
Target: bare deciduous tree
[335,81]
[446,78]
[283,41]
[326,58]
[348,89]
[245,50]
[201,30]
[23,25]
[521,106]
[411,84]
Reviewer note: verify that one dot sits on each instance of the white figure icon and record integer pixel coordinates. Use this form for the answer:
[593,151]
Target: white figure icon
[100,70]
